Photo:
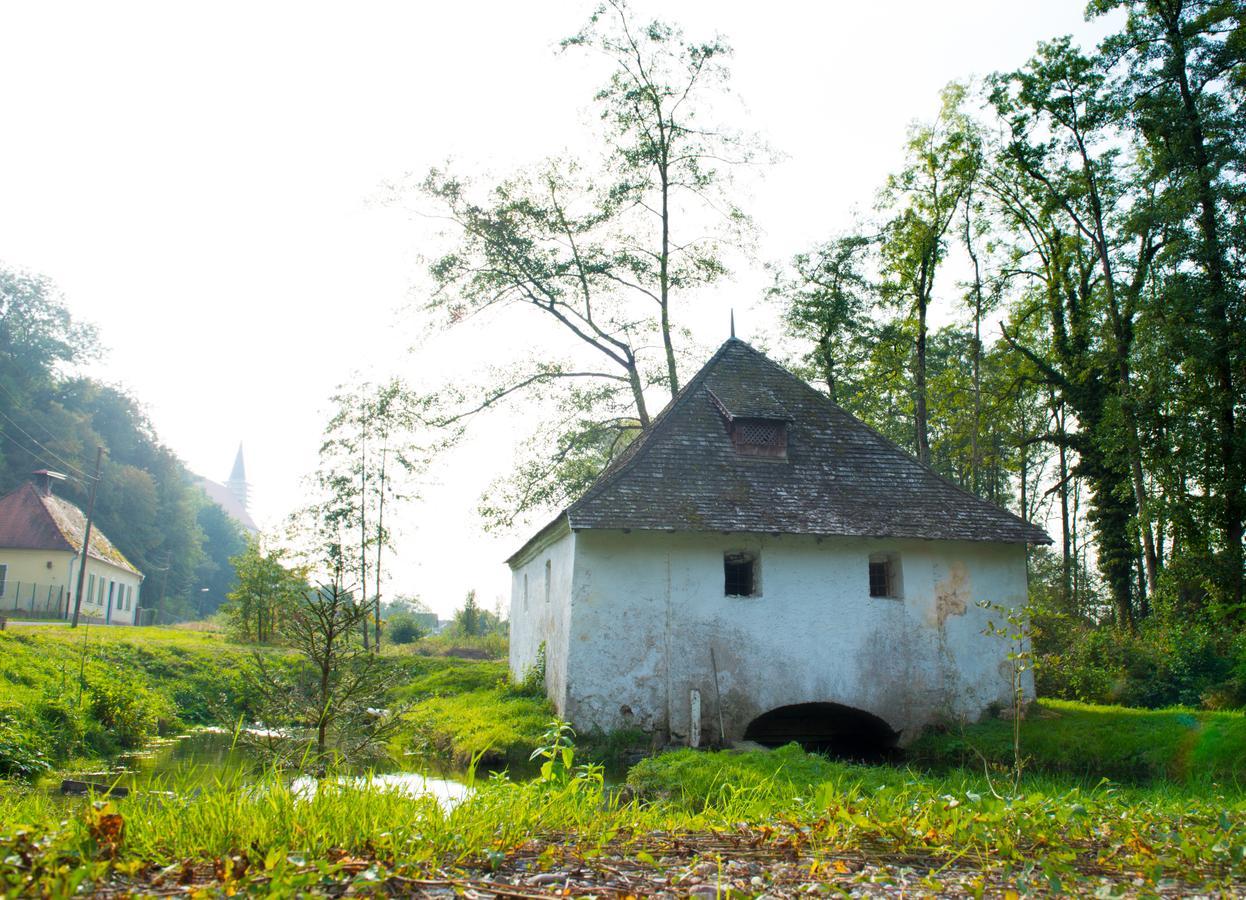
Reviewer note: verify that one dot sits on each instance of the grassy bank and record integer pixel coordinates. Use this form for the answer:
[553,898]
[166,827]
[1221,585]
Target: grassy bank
[93,691]
[460,709]
[1136,745]
[744,822]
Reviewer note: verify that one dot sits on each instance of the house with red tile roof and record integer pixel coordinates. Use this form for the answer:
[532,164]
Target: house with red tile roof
[41,550]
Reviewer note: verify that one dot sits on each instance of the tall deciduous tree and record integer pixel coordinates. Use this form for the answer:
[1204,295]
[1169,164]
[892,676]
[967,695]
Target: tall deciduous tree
[941,164]
[600,249]
[1181,58]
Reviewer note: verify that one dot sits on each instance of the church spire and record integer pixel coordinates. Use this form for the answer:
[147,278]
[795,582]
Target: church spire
[237,482]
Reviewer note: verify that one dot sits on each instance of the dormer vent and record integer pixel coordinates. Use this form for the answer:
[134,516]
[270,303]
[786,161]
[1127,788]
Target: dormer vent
[763,436]
[760,437]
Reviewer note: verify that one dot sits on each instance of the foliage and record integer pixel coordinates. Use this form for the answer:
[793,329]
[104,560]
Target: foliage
[266,593]
[403,628]
[605,250]
[125,709]
[533,681]
[332,684]
[1094,199]
[369,455]
[23,751]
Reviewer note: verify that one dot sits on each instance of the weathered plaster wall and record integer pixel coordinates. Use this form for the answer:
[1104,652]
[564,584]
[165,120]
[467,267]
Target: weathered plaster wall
[545,614]
[648,607]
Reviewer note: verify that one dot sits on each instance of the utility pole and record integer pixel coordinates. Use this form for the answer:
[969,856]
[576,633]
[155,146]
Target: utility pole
[86,538]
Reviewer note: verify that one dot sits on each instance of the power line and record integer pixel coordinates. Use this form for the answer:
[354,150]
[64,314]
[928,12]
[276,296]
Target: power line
[20,446]
[17,404]
[50,453]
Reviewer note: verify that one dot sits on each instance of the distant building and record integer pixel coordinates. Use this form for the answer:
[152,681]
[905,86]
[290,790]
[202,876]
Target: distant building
[41,549]
[234,495]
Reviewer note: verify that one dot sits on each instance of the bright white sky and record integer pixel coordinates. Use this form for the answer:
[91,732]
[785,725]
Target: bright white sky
[205,183]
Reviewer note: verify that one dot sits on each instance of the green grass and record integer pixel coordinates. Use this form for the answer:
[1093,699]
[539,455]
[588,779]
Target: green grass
[1180,745]
[93,691]
[1055,834]
[461,708]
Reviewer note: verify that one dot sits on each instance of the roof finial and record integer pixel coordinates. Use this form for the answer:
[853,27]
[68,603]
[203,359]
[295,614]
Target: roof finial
[733,322]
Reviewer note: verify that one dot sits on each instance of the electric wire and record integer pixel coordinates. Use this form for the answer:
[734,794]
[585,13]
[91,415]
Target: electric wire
[50,453]
[20,446]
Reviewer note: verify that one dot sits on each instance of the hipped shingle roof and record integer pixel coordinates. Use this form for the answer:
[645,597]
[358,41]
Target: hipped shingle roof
[840,476]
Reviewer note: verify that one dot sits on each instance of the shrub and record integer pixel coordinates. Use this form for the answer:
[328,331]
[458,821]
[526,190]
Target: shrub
[403,628]
[23,753]
[127,711]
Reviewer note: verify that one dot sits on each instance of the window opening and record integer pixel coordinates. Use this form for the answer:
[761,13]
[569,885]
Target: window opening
[525,591]
[740,574]
[90,589]
[548,578]
[885,576]
[4,576]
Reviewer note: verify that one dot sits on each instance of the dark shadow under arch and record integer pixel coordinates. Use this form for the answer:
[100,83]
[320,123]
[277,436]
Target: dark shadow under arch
[831,728]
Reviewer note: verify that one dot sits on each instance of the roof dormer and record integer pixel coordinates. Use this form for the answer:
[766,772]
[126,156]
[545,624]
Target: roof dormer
[761,434]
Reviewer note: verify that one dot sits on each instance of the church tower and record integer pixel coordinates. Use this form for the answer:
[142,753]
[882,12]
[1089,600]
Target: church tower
[237,482]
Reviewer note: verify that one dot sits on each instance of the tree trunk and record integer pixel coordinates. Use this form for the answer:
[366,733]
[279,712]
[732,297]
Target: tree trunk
[664,277]
[638,391]
[363,529]
[1066,552]
[1234,488]
[919,385]
[975,460]
[380,544]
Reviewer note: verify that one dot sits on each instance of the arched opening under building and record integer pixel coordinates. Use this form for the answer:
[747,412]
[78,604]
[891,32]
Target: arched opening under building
[830,728]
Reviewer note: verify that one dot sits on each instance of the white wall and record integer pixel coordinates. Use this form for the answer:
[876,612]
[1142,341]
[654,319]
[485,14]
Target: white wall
[647,608]
[95,604]
[544,617]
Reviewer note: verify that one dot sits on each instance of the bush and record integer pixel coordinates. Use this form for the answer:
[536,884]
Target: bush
[1163,664]
[403,628]
[128,712]
[23,753]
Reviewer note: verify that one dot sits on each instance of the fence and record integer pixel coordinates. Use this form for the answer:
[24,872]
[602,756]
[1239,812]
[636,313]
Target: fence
[31,600]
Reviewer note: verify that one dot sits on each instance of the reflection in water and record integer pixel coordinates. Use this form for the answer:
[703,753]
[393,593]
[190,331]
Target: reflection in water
[448,793]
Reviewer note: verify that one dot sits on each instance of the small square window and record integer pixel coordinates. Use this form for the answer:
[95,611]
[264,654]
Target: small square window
[740,574]
[885,575]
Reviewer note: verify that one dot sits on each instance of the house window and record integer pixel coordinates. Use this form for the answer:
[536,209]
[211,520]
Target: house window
[4,576]
[885,575]
[90,589]
[740,574]
[525,591]
[760,437]
[549,569]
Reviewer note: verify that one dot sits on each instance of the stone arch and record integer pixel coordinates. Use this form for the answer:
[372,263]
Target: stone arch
[830,728]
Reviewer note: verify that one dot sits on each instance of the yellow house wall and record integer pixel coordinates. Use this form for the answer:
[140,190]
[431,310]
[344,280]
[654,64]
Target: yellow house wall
[26,567]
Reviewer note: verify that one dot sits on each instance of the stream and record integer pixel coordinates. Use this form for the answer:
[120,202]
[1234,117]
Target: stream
[210,756]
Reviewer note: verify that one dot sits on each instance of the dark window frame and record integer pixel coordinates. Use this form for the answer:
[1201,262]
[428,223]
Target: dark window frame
[741,574]
[884,576]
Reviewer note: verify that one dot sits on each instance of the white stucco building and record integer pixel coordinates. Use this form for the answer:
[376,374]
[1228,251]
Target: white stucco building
[41,550]
[760,564]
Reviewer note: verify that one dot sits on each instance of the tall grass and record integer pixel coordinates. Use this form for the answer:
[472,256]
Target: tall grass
[1067,829]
